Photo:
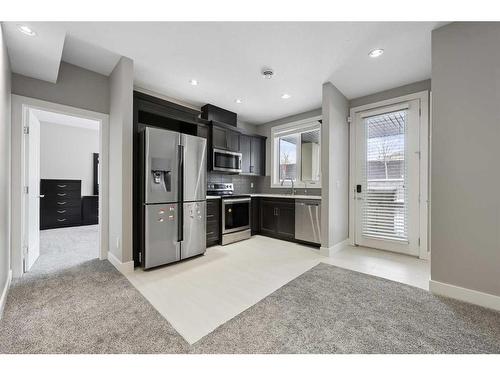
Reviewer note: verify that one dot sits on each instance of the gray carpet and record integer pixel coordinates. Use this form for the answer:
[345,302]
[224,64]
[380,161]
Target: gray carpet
[88,307]
[71,302]
[333,310]
[66,247]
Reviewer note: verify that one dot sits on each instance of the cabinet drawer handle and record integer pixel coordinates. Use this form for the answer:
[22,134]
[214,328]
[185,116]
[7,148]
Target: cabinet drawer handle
[61,203]
[61,219]
[61,211]
[210,216]
[61,194]
[210,233]
[61,186]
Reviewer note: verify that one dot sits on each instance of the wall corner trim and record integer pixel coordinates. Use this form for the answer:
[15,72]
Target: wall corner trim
[124,268]
[330,251]
[5,291]
[466,295]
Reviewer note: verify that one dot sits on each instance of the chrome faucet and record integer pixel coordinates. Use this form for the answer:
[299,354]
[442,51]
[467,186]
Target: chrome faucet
[291,180]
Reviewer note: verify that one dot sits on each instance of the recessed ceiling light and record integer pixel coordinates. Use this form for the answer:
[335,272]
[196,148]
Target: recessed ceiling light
[26,30]
[376,52]
[239,101]
[286,96]
[193,82]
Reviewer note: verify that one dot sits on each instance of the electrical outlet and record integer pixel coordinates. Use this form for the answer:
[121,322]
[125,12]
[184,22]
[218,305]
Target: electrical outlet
[117,242]
[251,185]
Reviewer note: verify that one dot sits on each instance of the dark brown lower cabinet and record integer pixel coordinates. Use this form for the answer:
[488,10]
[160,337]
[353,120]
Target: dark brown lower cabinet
[277,218]
[213,222]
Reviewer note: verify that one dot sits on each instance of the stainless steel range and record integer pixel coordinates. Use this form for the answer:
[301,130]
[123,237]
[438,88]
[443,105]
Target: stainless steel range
[235,212]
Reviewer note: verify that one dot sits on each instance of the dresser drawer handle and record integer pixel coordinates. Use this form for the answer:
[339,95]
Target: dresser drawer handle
[61,219]
[61,203]
[61,186]
[210,216]
[209,233]
[61,194]
[61,211]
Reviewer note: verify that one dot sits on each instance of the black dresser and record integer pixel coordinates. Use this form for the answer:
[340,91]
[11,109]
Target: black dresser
[90,210]
[61,205]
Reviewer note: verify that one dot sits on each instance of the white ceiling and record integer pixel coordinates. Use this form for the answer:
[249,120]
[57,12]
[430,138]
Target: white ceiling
[227,58]
[38,57]
[66,120]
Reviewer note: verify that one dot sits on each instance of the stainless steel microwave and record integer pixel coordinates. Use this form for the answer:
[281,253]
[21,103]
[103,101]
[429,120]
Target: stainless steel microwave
[226,161]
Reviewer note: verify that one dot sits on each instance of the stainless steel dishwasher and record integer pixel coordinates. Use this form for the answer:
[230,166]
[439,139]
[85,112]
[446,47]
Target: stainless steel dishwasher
[308,220]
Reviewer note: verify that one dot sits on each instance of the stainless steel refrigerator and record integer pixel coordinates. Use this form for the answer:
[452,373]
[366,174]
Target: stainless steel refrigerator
[174,196]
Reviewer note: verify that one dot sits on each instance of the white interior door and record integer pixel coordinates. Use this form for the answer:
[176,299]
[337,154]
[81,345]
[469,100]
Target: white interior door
[387,178]
[32,195]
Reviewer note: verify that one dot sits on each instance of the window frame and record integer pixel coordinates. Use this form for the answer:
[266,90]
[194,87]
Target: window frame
[287,129]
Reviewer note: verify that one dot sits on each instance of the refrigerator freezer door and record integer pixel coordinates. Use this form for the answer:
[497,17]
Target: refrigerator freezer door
[195,233]
[195,168]
[161,245]
[162,166]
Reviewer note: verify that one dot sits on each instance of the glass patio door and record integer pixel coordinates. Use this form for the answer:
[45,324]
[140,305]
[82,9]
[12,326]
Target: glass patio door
[387,178]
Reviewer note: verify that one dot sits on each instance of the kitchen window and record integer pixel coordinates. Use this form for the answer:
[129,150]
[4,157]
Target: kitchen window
[296,154]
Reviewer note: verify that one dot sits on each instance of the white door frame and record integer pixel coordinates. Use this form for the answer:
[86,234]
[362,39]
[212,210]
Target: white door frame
[423,96]
[20,106]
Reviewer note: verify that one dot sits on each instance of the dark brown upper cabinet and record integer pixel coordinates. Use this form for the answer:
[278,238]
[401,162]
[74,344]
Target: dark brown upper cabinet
[225,139]
[253,156]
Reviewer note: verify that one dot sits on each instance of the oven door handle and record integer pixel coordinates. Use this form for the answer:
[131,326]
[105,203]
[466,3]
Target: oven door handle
[236,200]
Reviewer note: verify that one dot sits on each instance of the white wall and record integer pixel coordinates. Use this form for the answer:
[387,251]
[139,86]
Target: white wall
[120,160]
[66,152]
[334,168]
[5,146]
[465,206]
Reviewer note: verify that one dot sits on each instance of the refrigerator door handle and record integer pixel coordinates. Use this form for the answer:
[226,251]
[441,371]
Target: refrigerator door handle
[180,229]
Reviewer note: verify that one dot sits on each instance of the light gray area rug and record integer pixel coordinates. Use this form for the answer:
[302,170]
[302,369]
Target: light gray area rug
[333,310]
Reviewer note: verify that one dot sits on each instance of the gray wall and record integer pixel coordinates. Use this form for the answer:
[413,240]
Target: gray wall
[465,206]
[392,93]
[4,164]
[334,167]
[76,87]
[120,159]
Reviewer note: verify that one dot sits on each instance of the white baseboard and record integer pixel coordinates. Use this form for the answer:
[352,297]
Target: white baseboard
[463,294]
[329,251]
[5,291]
[124,268]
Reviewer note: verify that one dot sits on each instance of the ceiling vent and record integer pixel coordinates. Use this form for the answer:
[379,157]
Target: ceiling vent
[267,73]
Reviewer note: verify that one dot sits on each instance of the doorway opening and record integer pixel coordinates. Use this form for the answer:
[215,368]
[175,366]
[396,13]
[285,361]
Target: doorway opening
[61,200]
[60,163]
[389,175]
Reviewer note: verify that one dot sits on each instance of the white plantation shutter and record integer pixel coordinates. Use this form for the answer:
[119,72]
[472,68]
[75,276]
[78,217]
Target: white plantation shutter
[385,209]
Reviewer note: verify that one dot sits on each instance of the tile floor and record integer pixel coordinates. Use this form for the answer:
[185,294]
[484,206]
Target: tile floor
[199,294]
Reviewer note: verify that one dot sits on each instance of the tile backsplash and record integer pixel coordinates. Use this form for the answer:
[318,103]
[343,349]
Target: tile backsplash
[261,184]
[242,184]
